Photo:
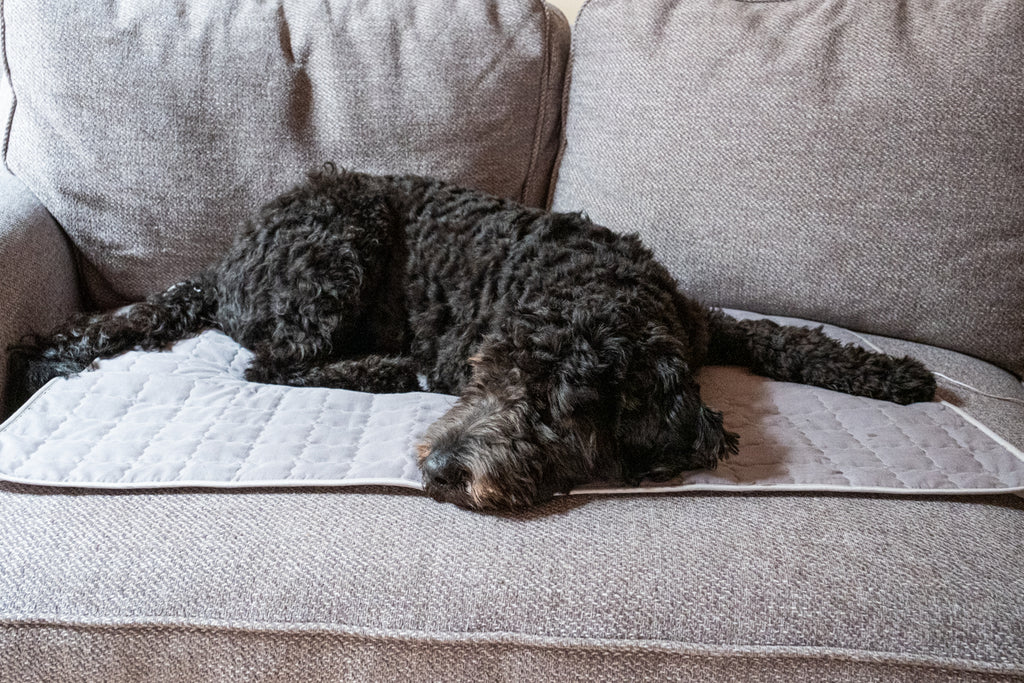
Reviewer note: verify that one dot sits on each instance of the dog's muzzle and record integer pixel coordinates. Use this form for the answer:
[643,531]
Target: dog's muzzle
[441,470]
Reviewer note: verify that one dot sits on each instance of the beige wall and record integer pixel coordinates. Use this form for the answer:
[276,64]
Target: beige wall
[569,7]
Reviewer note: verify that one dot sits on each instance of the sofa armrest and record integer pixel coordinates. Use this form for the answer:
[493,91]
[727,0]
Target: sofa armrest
[38,285]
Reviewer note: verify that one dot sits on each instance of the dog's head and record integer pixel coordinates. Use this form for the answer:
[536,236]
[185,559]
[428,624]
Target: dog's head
[530,425]
[509,441]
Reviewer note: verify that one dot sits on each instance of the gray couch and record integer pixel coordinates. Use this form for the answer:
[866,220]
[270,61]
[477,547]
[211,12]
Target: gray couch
[851,163]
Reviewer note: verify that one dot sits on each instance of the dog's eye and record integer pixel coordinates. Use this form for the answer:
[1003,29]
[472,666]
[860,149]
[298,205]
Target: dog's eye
[630,404]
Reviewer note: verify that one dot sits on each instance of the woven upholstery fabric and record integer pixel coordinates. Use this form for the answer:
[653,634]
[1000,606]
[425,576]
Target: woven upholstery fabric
[361,585]
[150,130]
[37,278]
[851,162]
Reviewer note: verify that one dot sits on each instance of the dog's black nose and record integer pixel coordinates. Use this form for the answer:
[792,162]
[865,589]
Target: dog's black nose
[443,469]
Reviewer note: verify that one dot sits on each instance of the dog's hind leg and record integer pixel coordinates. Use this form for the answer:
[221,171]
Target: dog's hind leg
[809,356]
[373,373]
[178,312]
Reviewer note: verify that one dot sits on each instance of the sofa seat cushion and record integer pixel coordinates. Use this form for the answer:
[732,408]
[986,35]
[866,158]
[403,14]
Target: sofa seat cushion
[371,585]
[851,162]
[152,130]
[189,418]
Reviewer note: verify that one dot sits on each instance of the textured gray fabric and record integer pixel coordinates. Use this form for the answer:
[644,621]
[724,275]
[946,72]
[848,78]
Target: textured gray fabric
[176,652]
[376,586]
[365,585]
[853,162]
[37,277]
[150,130]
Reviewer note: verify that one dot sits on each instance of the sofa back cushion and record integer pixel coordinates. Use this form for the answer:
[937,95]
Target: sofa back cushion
[150,129]
[860,163]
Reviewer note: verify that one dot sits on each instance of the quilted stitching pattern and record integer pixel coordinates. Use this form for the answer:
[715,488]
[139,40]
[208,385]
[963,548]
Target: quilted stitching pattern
[796,435]
[188,417]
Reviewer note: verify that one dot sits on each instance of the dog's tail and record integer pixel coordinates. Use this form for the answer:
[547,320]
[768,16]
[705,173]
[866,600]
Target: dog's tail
[178,312]
[809,356]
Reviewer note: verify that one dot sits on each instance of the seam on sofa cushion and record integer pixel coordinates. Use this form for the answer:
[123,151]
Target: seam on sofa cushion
[510,639]
[10,84]
[556,164]
[542,95]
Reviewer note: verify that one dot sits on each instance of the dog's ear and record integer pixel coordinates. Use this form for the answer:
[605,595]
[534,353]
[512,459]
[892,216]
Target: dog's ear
[666,441]
[581,401]
[666,428]
[712,443]
[701,438]
[587,419]
[572,398]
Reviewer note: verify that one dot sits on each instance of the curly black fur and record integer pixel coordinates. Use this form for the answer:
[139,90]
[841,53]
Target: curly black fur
[571,348]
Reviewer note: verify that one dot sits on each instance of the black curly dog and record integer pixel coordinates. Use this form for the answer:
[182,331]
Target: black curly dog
[572,350]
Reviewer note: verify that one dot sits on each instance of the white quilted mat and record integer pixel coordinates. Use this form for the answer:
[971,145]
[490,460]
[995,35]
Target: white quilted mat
[188,418]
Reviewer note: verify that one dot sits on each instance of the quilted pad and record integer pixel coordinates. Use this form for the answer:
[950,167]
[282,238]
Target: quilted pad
[187,417]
